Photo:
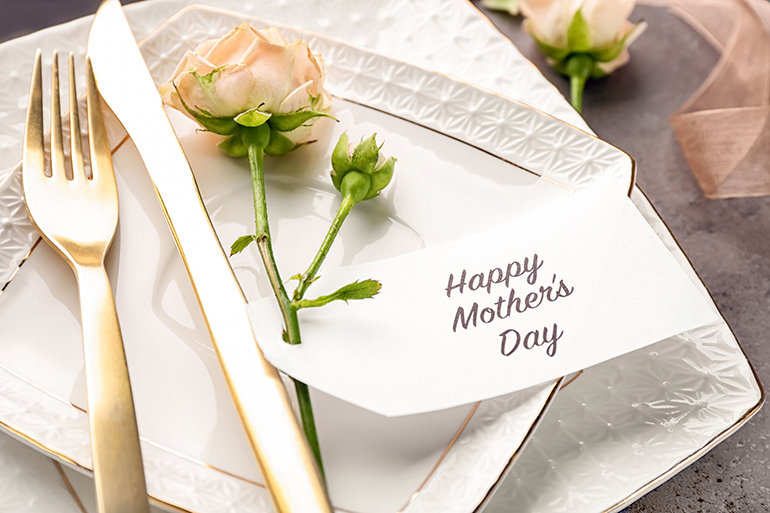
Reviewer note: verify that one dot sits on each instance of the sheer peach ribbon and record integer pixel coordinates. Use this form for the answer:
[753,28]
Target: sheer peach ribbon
[724,128]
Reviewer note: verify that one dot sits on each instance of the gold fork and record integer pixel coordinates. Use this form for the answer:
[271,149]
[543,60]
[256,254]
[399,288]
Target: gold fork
[78,218]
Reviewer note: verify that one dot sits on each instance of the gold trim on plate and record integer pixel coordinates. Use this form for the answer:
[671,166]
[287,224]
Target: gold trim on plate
[70,489]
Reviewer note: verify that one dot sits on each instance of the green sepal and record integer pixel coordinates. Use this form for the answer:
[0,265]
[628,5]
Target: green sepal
[252,117]
[554,52]
[357,290]
[569,67]
[579,34]
[279,144]
[258,135]
[580,65]
[340,160]
[598,72]
[242,243]
[215,124]
[612,51]
[234,147]
[207,81]
[381,177]
[365,156]
[294,120]
[356,186]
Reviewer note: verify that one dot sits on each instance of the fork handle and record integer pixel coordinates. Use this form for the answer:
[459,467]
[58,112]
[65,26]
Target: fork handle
[115,449]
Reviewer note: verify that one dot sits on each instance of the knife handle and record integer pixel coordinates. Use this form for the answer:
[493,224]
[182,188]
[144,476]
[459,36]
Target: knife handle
[282,452]
[284,457]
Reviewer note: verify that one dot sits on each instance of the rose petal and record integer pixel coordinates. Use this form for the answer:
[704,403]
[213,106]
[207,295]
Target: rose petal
[620,60]
[228,94]
[232,89]
[205,47]
[307,68]
[550,19]
[230,49]
[272,35]
[272,66]
[189,62]
[607,19]
[297,99]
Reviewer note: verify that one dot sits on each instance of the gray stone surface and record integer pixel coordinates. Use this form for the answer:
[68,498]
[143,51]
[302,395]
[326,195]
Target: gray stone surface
[21,17]
[726,240]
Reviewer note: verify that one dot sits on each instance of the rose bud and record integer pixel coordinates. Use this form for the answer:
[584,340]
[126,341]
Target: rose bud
[360,171]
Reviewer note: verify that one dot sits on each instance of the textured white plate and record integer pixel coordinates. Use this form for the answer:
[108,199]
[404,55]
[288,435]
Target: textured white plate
[444,189]
[666,409]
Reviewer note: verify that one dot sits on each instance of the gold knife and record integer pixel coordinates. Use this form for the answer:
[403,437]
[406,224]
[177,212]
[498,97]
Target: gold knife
[284,457]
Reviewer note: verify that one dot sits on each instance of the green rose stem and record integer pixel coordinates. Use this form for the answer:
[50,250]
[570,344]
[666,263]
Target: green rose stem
[579,67]
[307,278]
[256,163]
[358,175]
[251,134]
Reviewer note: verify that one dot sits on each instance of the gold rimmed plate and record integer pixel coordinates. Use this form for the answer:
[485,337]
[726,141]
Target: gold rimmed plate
[488,151]
[468,160]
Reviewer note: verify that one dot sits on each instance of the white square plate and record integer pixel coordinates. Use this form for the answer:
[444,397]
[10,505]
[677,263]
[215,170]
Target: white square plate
[468,160]
[638,420]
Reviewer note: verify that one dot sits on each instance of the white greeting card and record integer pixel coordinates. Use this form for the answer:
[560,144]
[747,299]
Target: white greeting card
[560,289]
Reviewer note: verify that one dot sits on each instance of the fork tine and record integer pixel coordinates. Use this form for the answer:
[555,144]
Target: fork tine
[78,170]
[57,144]
[102,172]
[34,155]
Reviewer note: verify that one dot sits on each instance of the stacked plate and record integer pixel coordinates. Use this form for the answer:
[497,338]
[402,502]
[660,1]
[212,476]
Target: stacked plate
[614,433]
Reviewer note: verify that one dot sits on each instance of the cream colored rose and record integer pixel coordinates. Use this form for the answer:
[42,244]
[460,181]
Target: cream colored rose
[549,22]
[248,69]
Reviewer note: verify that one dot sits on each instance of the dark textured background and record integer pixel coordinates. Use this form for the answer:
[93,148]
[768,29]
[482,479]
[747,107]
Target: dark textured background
[727,240]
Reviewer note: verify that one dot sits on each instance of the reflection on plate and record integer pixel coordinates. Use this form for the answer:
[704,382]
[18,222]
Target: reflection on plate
[467,160]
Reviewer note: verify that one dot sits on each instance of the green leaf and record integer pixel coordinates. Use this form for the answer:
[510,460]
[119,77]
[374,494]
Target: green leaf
[252,117]
[357,290]
[279,144]
[579,34]
[294,120]
[234,146]
[242,243]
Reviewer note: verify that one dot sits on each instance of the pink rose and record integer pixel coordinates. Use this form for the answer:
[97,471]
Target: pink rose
[248,70]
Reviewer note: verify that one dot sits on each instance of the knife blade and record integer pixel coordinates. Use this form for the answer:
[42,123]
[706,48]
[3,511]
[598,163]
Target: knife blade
[284,457]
